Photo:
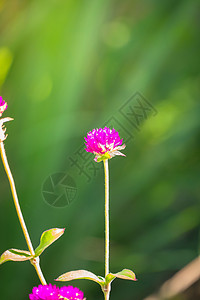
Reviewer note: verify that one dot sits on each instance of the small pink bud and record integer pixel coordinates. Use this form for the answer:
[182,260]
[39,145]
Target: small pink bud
[3,106]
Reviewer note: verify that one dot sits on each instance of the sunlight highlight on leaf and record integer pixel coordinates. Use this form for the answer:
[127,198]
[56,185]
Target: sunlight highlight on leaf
[15,255]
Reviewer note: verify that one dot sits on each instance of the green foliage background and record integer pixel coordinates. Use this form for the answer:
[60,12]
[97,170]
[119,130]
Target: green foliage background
[66,67]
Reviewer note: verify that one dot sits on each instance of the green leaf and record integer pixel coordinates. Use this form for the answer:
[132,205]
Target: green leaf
[47,238]
[80,274]
[15,255]
[124,274]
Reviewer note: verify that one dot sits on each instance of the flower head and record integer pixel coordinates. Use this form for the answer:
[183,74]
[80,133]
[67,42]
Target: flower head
[3,106]
[104,142]
[71,293]
[52,292]
[45,292]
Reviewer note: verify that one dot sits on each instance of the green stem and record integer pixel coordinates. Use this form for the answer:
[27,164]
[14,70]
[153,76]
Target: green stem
[106,171]
[19,212]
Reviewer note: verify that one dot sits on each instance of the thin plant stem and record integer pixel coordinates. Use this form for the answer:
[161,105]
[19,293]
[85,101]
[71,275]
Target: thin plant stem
[36,263]
[19,212]
[106,171]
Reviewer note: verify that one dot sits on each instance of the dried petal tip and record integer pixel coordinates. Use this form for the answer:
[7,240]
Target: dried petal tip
[3,129]
[3,106]
[105,143]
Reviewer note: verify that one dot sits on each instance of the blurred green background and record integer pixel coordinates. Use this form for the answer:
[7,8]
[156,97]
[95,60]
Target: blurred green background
[66,67]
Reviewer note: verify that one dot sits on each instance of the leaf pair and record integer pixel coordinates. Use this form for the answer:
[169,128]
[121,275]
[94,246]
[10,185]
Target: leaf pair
[103,282]
[47,238]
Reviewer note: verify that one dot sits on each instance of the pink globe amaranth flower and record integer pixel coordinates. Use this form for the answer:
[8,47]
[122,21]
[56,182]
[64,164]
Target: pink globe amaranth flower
[71,293]
[105,143]
[3,106]
[52,292]
[45,292]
